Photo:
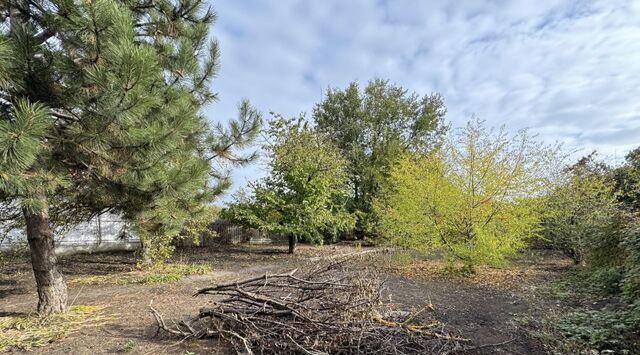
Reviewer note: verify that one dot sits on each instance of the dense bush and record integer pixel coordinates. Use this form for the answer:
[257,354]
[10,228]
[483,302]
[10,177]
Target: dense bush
[603,329]
[627,180]
[594,220]
[631,243]
[617,326]
[582,214]
[606,281]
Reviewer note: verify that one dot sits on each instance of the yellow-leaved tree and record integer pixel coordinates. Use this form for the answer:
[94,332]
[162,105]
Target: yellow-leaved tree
[478,198]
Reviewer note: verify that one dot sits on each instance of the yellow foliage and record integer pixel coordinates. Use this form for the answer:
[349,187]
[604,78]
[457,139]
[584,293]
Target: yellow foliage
[478,198]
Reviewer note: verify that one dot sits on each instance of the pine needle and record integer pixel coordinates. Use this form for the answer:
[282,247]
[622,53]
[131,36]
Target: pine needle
[30,331]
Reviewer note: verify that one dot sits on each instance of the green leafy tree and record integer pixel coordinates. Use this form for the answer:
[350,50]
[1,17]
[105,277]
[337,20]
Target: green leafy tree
[583,214]
[627,178]
[627,189]
[631,245]
[100,111]
[303,195]
[372,127]
[477,198]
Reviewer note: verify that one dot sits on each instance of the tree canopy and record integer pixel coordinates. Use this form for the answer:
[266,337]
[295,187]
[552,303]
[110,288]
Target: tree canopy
[100,111]
[627,179]
[304,192]
[478,198]
[372,127]
[582,210]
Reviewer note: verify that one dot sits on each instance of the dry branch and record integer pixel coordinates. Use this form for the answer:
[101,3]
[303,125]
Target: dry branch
[333,309]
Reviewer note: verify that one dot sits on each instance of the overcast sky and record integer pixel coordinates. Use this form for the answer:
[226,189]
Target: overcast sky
[568,70]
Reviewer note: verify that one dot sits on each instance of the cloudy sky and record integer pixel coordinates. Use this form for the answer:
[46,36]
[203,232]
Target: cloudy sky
[568,70]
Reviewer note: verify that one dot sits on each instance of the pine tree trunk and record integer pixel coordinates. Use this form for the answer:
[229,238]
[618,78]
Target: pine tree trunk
[52,290]
[293,241]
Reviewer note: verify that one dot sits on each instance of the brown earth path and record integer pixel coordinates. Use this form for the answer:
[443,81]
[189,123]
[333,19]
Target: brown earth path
[483,311]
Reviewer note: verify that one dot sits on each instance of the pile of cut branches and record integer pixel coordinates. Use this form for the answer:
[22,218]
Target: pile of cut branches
[330,309]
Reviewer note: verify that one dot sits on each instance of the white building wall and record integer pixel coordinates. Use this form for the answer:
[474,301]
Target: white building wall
[103,233]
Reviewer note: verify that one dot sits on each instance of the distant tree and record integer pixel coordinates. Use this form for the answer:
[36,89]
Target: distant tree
[302,196]
[631,245]
[100,111]
[478,198]
[627,178]
[583,211]
[372,127]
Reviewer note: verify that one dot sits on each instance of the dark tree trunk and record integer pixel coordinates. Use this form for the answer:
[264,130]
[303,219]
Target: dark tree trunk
[293,241]
[52,290]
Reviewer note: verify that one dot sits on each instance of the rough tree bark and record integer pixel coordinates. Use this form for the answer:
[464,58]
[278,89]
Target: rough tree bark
[293,241]
[52,290]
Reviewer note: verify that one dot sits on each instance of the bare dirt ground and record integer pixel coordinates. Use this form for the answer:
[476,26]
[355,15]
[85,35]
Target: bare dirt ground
[484,307]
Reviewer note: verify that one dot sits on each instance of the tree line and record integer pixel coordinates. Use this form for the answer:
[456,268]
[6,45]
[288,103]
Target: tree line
[380,164]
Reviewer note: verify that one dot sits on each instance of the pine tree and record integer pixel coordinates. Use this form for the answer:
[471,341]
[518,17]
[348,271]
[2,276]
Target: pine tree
[100,111]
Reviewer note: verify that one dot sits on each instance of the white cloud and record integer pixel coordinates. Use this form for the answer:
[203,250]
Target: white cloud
[569,70]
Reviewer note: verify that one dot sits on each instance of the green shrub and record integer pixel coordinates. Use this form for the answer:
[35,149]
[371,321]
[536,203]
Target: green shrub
[599,329]
[129,346]
[606,281]
[603,329]
[582,214]
[631,243]
[615,327]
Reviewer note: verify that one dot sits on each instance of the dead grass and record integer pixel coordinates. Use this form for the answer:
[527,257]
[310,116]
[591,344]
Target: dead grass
[510,276]
[30,331]
[507,277]
[158,274]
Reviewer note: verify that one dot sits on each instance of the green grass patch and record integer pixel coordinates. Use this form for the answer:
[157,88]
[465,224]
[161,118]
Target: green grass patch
[174,272]
[130,346]
[158,274]
[30,331]
[584,286]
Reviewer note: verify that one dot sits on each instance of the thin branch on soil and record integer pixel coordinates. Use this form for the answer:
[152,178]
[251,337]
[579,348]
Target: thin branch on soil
[335,308]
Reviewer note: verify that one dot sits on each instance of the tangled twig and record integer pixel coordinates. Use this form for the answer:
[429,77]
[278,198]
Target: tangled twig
[331,309]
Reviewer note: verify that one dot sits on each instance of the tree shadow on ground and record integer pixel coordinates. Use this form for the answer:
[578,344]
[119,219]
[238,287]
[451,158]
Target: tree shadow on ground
[98,264]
